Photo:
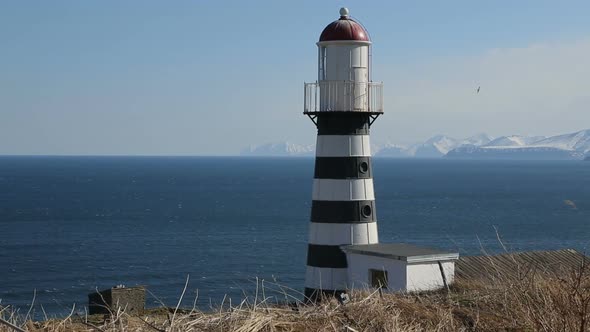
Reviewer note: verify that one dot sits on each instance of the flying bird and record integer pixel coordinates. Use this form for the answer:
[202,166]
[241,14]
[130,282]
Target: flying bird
[570,203]
[478,89]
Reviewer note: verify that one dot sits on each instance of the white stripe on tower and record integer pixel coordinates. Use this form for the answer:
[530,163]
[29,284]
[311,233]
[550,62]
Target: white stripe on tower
[343,146]
[336,233]
[343,189]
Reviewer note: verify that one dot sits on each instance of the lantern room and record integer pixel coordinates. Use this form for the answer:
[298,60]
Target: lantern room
[344,71]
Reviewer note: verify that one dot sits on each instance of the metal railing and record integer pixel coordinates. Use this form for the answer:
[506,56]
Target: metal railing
[343,96]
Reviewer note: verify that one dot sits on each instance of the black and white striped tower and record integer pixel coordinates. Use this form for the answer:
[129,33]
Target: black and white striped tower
[343,104]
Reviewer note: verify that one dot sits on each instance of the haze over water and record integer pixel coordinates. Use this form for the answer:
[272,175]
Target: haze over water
[69,225]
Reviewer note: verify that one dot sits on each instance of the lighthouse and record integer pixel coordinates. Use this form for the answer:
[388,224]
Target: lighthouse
[342,103]
[343,250]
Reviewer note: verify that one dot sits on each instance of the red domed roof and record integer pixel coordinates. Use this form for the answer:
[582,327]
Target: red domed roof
[344,28]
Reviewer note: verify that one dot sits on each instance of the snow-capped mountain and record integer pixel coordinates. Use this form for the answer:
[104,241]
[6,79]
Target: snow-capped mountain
[391,151]
[279,149]
[440,145]
[477,140]
[569,146]
[434,147]
[579,141]
[514,141]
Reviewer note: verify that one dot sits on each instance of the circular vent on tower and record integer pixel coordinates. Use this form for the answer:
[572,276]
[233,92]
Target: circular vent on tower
[367,211]
[363,167]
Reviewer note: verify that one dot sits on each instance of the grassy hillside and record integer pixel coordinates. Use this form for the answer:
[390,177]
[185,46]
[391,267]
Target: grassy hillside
[526,301]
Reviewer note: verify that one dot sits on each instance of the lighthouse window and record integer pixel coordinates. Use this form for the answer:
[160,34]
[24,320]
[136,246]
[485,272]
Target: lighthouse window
[322,63]
[367,211]
[364,167]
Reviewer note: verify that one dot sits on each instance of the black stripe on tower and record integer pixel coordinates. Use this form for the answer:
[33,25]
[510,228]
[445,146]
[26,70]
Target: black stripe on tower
[343,168]
[343,212]
[343,123]
[319,255]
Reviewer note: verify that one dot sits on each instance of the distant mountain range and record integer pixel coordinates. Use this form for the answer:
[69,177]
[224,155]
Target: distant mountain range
[279,149]
[568,146]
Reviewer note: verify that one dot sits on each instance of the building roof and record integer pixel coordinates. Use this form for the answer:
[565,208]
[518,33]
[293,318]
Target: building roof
[401,251]
[345,28]
[552,263]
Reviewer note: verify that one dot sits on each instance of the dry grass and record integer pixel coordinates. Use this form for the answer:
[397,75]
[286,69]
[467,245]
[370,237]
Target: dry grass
[527,302]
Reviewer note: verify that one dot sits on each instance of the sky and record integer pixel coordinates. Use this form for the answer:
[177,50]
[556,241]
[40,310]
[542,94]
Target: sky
[205,77]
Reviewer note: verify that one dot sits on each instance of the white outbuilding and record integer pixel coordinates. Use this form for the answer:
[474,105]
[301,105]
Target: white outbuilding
[399,267]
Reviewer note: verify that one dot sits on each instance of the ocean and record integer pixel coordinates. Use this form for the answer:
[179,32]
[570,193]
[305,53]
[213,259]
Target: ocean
[71,225]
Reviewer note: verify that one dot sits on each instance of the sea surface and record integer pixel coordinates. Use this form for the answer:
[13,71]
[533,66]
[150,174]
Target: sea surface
[71,225]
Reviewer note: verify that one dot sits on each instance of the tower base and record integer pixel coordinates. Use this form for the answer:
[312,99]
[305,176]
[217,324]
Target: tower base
[313,295]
